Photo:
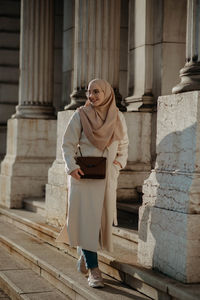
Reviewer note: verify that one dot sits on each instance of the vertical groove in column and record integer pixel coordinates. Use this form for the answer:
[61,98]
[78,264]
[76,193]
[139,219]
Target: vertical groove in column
[105,33]
[198,30]
[41,52]
[98,39]
[31,53]
[117,44]
[91,40]
[36,51]
[51,51]
[45,70]
[76,47]
[84,38]
[111,41]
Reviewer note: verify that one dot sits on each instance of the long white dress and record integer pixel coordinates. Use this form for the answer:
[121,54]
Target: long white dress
[91,202]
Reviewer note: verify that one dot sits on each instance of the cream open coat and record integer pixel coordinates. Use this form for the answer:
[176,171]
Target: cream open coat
[91,202]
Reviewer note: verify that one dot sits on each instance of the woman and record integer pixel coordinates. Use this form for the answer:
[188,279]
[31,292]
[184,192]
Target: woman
[99,129]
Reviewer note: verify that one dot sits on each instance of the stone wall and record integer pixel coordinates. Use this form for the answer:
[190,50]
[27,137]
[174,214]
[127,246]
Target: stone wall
[170,214]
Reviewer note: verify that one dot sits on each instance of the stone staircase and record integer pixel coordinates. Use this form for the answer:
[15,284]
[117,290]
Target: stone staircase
[31,242]
[9,64]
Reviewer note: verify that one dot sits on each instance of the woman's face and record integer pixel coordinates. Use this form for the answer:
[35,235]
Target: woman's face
[95,94]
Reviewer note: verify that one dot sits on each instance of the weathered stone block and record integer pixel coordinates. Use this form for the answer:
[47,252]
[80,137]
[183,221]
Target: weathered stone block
[169,217]
[169,241]
[57,187]
[30,152]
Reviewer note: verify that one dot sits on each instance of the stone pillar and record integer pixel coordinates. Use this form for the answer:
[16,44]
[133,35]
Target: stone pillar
[96,46]
[190,73]
[31,134]
[140,55]
[169,219]
[36,60]
[156,50]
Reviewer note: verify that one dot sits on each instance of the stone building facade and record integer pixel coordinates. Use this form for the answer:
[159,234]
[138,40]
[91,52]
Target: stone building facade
[49,51]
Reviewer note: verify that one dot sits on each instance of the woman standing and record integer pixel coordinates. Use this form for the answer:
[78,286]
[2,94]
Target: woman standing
[99,129]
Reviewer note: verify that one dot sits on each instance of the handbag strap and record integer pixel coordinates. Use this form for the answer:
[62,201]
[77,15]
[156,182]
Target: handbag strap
[79,147]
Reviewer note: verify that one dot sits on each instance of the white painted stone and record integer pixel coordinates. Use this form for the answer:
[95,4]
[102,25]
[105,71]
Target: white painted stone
[30,152]
[169,241]
[169,217]
[139,133]
[57,187]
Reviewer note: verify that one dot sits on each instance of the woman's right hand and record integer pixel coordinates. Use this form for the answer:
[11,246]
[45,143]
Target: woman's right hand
[76,174]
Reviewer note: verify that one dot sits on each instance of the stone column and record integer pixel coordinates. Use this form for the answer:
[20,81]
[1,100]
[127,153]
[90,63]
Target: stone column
[190,73]
[31,134]
[36,60]
[96,46]
[169,219]
[140,56]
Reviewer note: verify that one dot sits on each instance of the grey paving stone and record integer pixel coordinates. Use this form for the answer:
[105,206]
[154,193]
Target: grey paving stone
[54,295]
[8,263]
[27,281]
[64,267]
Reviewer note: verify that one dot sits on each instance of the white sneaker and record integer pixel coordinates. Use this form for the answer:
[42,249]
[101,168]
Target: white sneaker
[95,279]
[81,265]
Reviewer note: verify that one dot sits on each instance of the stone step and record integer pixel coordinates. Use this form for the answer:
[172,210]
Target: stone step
[129,207]
[6,111]
[36,205]
[8,94]
[19,281]
[9,74]
[9,24]
[9,57]
[121,264]
[58,268]
[9,40]
[10,8]
[28,221]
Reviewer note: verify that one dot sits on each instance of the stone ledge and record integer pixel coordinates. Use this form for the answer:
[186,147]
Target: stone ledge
[19,282]
[58,268]
[122,265]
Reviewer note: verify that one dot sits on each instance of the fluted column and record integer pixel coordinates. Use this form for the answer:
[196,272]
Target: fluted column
[96,46]
[190,73]
[140,60]
[36,60]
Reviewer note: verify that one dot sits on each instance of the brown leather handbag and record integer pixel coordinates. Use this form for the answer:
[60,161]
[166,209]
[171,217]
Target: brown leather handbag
[93,167]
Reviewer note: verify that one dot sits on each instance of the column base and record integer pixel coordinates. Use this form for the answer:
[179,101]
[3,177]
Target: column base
[144,103]
[31,147]
[190,79]
[34,112]
[78,98]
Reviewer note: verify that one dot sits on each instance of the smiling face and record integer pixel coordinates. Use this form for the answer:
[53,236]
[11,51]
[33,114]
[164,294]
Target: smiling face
[95,94]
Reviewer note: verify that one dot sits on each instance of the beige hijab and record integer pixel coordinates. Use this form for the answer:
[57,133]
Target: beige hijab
[101,124]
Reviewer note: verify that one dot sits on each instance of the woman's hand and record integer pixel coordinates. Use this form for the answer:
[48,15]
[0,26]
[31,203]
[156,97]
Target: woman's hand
[76,174]
[117,163]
